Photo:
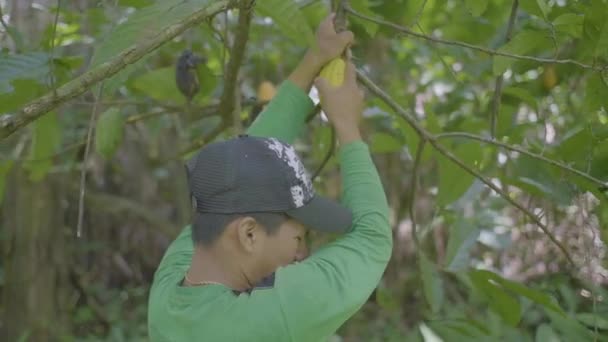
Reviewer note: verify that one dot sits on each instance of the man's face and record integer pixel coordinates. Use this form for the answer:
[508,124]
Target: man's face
[284,247]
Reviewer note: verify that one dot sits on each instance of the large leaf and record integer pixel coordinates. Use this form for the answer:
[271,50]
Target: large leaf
[476,7]
[432,285]
[595,28]
[290,21]
[454,180]
[160,85]
[544,333]
[384,143]
[522,43]
[109,132]
[596,95]
[500,302]
[539,8]
[143,24]
[29,66]
[463,235]
[46,139]
[593,320]
[570,23]
[362,6]
[23,92]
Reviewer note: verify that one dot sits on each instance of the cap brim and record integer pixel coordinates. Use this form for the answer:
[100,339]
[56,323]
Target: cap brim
[323,214]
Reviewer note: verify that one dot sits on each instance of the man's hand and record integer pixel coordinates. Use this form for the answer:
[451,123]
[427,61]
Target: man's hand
[343,105]
[329,45]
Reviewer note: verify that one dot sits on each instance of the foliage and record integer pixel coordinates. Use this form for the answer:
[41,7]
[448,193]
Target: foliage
[479,269]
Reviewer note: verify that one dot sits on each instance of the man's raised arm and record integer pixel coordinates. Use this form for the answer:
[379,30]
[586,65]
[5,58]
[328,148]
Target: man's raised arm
[284,116]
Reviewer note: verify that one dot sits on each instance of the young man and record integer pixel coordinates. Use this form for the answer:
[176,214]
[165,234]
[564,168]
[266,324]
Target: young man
[247,276]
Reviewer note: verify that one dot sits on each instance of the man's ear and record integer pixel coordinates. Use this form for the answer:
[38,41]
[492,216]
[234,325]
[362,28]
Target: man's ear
[248,233]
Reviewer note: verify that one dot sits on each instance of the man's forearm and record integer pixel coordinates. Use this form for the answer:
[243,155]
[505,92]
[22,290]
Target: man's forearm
[307,70]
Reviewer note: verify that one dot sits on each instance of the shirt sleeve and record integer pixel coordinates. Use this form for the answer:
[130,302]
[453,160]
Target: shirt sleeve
[285,115]
[319,294]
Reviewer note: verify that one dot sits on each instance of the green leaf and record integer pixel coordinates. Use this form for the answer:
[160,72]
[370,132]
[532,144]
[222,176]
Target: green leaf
[109,132]
[160,85]
[522,43]
[569,23]
[289,19]
[5,168]
[23,92]
[539,179]
[539,8]
[544,333]
[463,235]
[411,138]
[432,285]
[592,320]
[46,139]
[569,327]
[596,95]
[523,95]
[476,7]
[595,28]
[362,6]
[453,180]
[29,66]
[384,143]
[143,24]
[135,3]
[500,302]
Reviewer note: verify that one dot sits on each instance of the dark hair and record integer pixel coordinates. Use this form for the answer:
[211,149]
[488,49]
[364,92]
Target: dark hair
[207,227]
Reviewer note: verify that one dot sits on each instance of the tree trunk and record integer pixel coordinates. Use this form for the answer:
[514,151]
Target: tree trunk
[34,260]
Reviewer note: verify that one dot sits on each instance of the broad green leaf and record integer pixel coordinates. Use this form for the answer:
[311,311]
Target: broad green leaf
[539,8]
[460,330]
[569,23]
[290,21]
[476,7]
[362,6]
[384,143]
[453,179]
[537,178]
[23,92]
[522,43]
[109,132]
[514,287]
[143,24]
[596,95]
[593,320]
[160,85]
[569,327]
[46,139]
[5,168]
[29,66]
[462,237]
[595,28]
[432,284]
[544,333]
[500,301]
[523,95]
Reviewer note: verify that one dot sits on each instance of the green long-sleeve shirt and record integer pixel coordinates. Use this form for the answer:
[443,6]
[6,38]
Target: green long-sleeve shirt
[309,300]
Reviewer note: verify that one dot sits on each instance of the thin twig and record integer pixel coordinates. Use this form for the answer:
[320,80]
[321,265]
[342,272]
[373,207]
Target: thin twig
[445,64]
[425,135]
[413,189]
[52,57]
[330,152]
[491,52]
[497,98]
[83,170]
[523,151]
[418,15]
[36,108]
[237,54]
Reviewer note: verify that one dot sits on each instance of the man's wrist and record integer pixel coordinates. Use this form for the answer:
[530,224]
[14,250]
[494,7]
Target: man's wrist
[347,133]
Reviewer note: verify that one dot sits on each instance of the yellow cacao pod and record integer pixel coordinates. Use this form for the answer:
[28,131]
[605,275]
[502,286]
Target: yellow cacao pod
[334,72]
[266,91]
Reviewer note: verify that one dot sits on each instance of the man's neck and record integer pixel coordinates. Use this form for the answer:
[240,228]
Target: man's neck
[209,266]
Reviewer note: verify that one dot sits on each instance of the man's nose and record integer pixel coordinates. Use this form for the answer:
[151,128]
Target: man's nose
[302,252]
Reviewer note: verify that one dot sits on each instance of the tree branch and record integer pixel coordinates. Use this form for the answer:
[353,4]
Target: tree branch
[413,189]
[33,110]
[555,163]
[500,79]
[491,52]
[227,101]
[425,135]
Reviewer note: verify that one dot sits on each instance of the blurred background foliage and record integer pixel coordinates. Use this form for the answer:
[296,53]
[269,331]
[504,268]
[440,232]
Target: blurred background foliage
[469,267]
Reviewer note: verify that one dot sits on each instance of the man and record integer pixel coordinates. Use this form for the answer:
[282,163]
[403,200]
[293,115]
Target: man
[248,277]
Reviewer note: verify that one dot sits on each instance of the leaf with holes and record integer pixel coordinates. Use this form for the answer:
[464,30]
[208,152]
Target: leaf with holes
[288,18]
[109,132]
[46,139]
